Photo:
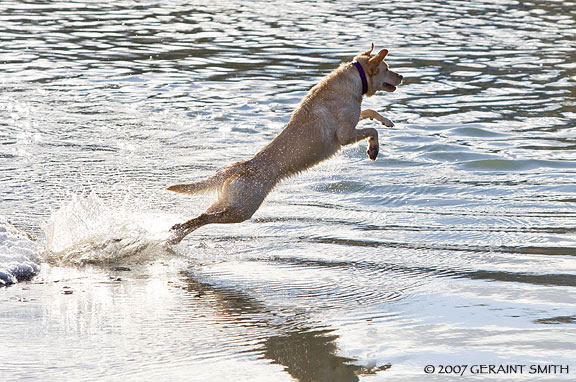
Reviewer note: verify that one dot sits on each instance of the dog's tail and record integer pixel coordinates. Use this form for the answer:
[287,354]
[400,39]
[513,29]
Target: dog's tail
[211,183]
[195,187]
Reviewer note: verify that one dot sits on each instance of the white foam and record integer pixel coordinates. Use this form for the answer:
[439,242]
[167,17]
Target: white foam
[19,254]
[88,231]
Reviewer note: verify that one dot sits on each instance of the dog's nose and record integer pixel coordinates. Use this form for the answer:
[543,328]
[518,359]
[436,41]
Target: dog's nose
[401,77]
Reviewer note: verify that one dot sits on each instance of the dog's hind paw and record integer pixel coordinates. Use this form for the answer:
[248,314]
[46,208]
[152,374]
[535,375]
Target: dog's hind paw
[177,233]
[177,227]
[174,240]
[175,237]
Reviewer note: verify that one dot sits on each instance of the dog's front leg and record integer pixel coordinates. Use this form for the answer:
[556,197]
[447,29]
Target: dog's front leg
[373,146]
[372,114]
[347,136]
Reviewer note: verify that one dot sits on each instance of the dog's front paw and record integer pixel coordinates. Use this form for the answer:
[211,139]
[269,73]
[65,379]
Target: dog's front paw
[373,152]
[386,122]
[383,120]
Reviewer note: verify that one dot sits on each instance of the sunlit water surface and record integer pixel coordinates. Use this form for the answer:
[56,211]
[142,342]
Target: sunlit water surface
[455,247]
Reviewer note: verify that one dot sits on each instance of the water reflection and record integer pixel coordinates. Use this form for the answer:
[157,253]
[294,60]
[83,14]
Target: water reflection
[310,357]
[308,353]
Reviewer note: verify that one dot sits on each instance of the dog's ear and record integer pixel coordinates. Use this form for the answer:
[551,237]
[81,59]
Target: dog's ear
[376,60]
[368,52]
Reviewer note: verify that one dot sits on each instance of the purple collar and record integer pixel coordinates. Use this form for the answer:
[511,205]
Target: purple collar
[362,76]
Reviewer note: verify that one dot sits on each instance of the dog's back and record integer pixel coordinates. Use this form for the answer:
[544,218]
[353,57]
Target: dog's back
[310,135]
[308,138]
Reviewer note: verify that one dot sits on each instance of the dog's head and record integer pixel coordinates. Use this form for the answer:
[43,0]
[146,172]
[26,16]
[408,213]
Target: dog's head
[380,77]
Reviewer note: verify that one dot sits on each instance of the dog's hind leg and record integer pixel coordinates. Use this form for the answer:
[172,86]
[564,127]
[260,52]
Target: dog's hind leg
[239,198]
[223,216]
[180,231]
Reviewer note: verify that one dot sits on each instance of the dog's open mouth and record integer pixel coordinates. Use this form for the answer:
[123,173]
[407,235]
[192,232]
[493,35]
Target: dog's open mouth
[388,87]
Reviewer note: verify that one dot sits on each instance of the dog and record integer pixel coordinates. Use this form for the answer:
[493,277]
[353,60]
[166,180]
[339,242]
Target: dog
[324,121]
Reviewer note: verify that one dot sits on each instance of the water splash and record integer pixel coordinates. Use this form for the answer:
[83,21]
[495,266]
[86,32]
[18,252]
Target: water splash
[19,255]
[88,231]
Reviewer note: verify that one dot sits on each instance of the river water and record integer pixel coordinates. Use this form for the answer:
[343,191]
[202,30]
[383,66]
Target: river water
[456,247]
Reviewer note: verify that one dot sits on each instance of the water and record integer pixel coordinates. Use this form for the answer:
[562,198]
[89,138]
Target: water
[455,247]
[19,254]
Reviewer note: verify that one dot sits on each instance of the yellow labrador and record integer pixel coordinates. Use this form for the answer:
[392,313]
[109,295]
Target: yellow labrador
[323,122]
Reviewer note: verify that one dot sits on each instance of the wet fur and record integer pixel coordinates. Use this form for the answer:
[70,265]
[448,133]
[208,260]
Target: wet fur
[324,121]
